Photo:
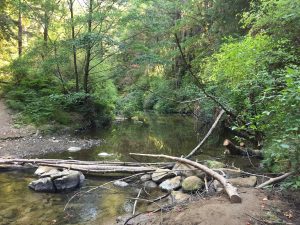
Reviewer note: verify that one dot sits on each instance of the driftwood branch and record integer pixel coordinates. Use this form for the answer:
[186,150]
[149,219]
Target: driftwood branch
[230,190]
[206,136]
[237,150]
[274,180]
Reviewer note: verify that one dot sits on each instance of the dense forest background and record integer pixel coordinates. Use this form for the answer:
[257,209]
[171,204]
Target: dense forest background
[84,61]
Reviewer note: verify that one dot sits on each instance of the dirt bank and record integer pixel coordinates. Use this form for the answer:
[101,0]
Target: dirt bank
[27,141]
[257,207]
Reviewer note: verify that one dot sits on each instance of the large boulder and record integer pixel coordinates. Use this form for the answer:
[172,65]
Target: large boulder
[43,169]
[192,183]
[162,174]
[145,177]
[243,181]
[171,184]
[69,181]
[42,185]
[54,180]
[182,169]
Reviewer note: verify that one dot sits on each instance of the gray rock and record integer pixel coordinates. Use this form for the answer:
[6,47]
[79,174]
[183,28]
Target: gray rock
[162,174]
[243,181]
[231,173]
[42,169]
[69,181]
[74,149]
[150,184]
[121,184]
[171,184]
[50,173]
[192,183]
[178,196]
[145,177]
[104,154]
[42,185]
[185,170]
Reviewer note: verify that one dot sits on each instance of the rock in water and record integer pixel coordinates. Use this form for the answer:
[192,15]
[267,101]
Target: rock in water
[145,177]
[74,149]
[192,183]
[171,184]
[104,154]
[121,184]
[43,169]
[42,185]
[150,184]
[57,181]
[69,181]
[162,174]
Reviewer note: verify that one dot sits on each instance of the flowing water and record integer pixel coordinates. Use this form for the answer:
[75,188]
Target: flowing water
[173,135]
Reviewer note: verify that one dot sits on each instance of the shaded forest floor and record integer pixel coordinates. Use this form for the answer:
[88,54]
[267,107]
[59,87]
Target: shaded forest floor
[25,141]
[257,207]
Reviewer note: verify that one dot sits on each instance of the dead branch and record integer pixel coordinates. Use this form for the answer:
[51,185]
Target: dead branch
[206,136]
[135,202]
[230,190]
[274,180]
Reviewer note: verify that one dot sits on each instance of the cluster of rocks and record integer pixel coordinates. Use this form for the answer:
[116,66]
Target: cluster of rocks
[56,180]
[184,179]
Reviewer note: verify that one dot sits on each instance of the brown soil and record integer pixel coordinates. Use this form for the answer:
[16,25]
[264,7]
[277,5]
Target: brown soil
[27,141]
[257,207]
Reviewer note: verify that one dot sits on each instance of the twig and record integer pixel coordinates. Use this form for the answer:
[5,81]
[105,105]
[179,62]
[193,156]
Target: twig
[205,181]
[135,202]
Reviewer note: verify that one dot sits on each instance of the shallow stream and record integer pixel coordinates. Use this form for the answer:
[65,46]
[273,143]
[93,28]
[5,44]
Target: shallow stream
[174,135]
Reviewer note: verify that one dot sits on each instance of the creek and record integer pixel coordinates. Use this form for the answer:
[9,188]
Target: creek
[173,135]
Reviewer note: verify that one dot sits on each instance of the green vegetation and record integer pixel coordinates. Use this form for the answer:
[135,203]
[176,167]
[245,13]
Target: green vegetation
[66,61]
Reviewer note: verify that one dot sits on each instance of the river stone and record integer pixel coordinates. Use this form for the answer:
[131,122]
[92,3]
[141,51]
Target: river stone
[42,185]
[74,149]
[43,169]
[231,173]
[178,196]
[72,180]
[121,184]
[150,184]
[214,164]
[162,174]
[192,183]
[243,181]
[50,173]
[104,154]
[185,170]
[171,184]
[145,177]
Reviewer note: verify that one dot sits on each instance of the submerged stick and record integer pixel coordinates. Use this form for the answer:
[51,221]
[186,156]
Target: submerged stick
[206,136]
[230,190]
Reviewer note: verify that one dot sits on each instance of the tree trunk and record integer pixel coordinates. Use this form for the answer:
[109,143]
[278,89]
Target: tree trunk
[20,31]
[71,2]
[88,50]
[237,150]
[230,190]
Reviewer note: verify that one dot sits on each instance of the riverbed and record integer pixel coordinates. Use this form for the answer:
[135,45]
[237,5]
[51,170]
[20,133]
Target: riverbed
[173,135]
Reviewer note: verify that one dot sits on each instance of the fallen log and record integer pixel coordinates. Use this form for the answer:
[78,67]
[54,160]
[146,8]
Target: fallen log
[237,150]
[274,180]
[87,167]
[230,190]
